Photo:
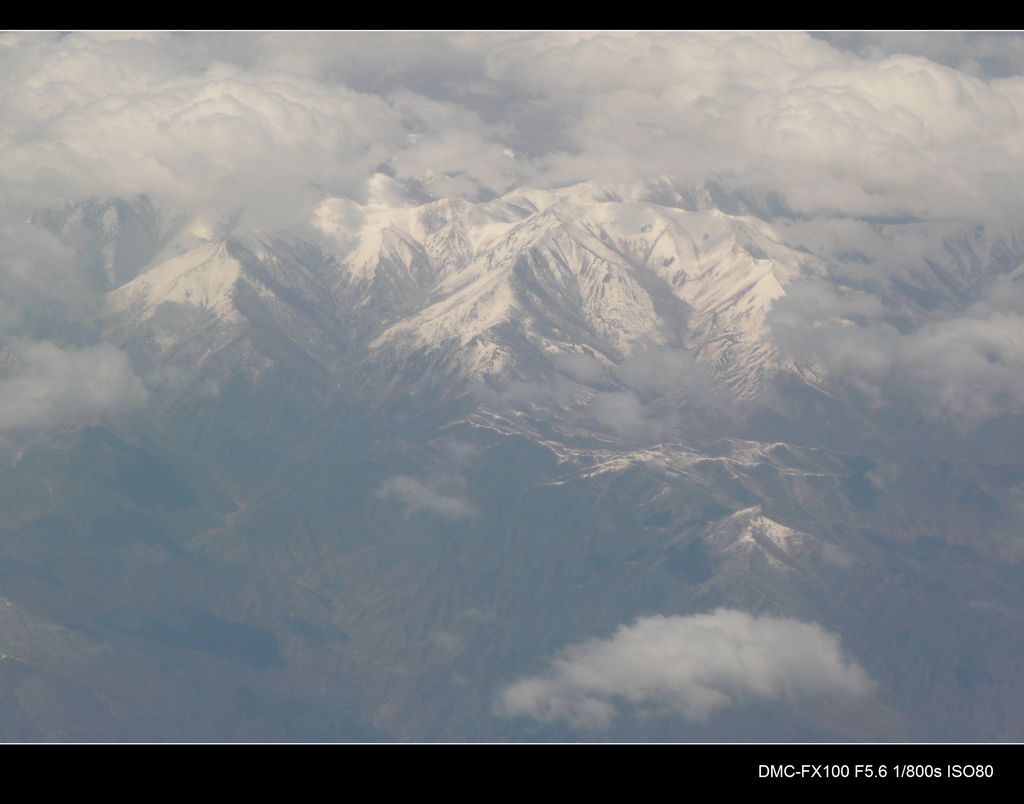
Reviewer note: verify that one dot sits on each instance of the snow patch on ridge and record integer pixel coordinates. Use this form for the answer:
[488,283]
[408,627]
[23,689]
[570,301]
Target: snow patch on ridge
[204,277]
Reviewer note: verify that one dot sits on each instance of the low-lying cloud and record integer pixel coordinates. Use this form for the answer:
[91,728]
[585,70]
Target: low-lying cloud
[53,386]
[654,384]
[961,366]
[417,495]
[444,492]
[687,665]
[638,398]
[53,368]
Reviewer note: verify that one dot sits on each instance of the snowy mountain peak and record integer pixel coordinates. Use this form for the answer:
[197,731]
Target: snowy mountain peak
[204,277]
[576,267]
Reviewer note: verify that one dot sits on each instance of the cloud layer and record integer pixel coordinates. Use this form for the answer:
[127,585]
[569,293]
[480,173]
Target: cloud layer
[691,666]
[276,121]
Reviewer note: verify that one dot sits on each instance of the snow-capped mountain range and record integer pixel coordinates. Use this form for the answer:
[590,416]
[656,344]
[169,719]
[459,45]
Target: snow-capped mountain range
[391,460]
[507,290]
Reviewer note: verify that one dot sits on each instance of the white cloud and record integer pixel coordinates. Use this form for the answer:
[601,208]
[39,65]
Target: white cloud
[40,282]
[691,665]
[444,491]
[162,114]
[280,121]
[45,299]
[962,366]
[625,414]
[417,495]
[827,129]
[55,386]
[654,382]
[664,370]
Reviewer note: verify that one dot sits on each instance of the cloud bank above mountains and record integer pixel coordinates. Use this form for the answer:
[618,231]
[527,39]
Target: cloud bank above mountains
[279,121]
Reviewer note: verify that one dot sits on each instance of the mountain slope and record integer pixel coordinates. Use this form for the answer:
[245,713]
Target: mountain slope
[383,475]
